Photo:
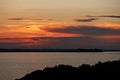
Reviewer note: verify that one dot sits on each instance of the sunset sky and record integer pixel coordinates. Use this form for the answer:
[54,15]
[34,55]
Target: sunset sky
[60,24]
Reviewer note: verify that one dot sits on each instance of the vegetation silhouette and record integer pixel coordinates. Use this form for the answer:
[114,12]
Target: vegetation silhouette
[101,71]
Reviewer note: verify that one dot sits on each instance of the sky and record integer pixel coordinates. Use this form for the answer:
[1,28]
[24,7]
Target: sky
[59,24]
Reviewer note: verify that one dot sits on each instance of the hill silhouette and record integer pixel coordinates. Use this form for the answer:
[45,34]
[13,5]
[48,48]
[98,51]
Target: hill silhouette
[101,71]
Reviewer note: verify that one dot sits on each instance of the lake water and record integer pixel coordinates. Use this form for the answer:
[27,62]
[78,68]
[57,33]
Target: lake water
[16,64]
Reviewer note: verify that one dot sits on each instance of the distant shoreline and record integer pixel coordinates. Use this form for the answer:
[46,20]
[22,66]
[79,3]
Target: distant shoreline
[57,50]
[51,50]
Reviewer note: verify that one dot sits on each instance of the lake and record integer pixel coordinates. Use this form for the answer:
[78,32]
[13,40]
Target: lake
[16,64]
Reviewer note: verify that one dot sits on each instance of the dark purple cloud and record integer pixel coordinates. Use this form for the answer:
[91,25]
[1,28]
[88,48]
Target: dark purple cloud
[80,42]
[10,45]
[108,16]
[85,30]
[86,20]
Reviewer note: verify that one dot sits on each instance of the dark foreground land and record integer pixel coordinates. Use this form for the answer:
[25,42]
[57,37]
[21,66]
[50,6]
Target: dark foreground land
[100,71]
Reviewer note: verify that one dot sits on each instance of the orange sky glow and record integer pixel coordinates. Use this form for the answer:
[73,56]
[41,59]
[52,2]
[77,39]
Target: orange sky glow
[50,23]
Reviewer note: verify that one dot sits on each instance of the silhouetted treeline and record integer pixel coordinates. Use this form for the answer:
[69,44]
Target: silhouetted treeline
[100,71]
[51,50]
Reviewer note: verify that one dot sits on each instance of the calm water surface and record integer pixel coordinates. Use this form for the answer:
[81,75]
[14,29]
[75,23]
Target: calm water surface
[16,65]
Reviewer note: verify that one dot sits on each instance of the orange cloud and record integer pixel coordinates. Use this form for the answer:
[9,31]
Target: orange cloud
[109,25]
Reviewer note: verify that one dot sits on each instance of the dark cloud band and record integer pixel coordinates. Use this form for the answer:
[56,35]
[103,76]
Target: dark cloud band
[85,30]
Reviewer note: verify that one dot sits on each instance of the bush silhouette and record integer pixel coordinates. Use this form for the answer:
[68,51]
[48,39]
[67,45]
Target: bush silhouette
[101,71]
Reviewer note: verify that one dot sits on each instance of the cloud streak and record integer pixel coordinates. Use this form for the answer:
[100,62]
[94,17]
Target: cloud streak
[86,20]
[111,16]
[22,19]
[107,16]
